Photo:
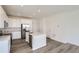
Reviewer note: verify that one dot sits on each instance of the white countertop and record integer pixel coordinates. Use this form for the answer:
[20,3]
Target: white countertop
[35,34]
[4,37]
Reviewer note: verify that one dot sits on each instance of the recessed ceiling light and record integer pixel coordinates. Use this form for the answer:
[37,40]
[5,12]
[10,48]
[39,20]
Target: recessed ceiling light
[38,10]
[22,5]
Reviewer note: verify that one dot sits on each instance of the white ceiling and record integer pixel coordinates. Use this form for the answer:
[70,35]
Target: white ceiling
[37,11]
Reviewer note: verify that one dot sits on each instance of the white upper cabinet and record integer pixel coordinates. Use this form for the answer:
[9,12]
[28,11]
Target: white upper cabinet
[3,17]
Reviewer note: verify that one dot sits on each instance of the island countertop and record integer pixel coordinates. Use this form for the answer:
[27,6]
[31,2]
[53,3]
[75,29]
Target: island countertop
[37,34]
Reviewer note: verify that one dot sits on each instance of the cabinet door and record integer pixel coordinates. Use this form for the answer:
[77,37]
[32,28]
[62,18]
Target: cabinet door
[1,23]
[16,35]
[4,46]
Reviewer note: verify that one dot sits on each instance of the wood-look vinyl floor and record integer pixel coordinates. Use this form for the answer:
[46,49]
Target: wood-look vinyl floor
[20,46]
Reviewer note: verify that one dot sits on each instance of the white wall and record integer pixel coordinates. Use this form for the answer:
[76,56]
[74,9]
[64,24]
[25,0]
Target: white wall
[36,25]
[63,27]
[43,26]
[3,17]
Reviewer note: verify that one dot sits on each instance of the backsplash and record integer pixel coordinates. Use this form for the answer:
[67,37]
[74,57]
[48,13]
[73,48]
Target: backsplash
[10,30]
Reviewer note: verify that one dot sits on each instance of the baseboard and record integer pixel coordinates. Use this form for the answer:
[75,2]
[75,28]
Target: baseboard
[56,40]
[73,43]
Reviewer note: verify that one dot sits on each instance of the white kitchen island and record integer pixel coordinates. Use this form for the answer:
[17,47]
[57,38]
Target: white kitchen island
[5,44]
[37,40]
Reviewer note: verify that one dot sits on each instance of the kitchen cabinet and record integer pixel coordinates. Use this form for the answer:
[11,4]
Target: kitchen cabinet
[5,44]
[16,35]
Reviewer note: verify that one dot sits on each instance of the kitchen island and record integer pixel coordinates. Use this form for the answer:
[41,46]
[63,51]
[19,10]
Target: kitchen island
[37,40]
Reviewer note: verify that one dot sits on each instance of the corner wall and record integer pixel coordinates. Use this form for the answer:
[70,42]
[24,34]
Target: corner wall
[63,27]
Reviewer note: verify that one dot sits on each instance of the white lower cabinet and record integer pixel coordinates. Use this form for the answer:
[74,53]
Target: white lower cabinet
[16,35]
[4,44]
